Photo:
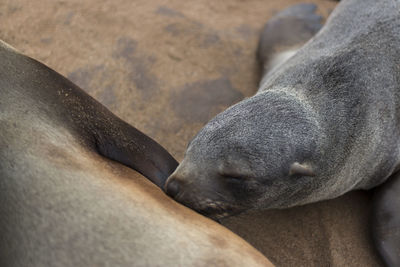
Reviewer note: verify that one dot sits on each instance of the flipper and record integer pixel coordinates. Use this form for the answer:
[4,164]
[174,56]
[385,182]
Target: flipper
[68,106]
[284,33]
[385,220]
[133,148]
[114,138]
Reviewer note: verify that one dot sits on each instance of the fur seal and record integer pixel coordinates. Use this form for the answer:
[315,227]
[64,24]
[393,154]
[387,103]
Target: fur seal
[324,121]
[65,199]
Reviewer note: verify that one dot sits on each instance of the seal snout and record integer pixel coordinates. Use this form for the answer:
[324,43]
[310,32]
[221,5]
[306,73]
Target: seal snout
[172,187]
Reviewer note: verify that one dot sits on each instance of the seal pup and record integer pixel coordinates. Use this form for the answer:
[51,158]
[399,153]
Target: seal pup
[324,122]
[65,199]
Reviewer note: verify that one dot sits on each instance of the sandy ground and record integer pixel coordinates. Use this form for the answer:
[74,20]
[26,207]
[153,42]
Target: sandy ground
[167,67]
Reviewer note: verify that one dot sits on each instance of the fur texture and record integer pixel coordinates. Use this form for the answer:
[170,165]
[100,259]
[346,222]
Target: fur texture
[333,106]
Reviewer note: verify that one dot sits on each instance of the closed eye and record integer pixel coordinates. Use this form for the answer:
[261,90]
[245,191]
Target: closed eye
[235,176]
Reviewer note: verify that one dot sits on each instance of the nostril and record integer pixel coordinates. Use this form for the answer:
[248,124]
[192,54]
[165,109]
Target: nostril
[172,188]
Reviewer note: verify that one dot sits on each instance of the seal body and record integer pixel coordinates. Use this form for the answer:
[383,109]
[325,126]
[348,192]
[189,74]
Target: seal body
[324,122]
[65,199]
[385,221]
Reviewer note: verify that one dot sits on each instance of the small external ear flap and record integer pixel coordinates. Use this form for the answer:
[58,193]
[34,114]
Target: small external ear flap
[300,169]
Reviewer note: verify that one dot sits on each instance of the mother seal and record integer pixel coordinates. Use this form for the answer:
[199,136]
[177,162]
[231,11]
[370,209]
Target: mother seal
[324,122]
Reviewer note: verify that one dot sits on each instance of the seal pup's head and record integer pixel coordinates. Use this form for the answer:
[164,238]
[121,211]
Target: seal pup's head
[258,153]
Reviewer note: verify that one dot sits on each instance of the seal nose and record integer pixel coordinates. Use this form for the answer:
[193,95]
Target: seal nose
[172,187]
